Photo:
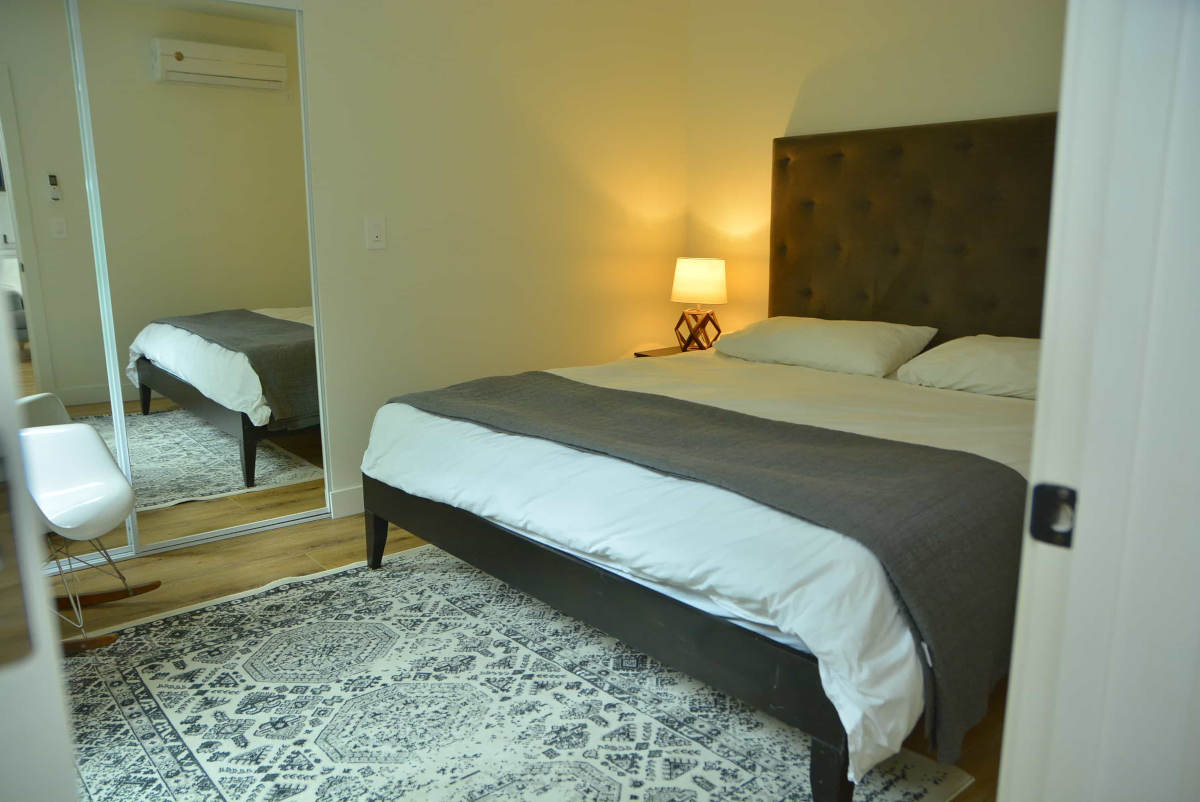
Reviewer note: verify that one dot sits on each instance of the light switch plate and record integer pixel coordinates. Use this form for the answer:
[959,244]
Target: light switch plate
[58,227]
[375,233]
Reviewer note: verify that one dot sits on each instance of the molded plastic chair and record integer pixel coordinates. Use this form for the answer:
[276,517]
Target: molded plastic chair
[78,491]
[43,409]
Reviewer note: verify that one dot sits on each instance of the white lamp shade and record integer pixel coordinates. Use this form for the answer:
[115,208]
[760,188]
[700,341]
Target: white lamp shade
[699,281]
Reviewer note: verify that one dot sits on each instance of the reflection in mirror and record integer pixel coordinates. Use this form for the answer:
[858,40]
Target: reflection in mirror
[12,286]
[12,289]
[53,312]
[14,623]
[196,120]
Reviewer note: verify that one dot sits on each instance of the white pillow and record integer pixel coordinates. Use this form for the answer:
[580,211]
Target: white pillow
[867,347]
[981,364]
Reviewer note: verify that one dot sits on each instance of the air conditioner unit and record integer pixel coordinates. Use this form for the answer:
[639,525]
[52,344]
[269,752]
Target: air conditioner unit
[199,63]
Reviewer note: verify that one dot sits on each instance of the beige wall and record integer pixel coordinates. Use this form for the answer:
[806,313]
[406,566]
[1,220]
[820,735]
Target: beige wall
[541,164]
[770,68]
[534,161]
[33,43]
[528,157]
[202,186]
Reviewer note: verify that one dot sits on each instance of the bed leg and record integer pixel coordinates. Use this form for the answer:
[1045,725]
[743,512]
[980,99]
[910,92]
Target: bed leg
[144,392]
[249,450]
[377,531]
[827,773]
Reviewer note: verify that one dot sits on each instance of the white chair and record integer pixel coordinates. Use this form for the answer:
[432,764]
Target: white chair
[79,493]
[43,409]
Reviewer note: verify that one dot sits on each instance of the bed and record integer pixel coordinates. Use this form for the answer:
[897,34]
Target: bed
[940,225]
[250,373]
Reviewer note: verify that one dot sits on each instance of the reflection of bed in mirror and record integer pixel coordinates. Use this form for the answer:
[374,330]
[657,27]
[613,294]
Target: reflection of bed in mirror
[252,374]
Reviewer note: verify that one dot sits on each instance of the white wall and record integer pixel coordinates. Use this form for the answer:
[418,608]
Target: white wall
[529,160]
[772,68]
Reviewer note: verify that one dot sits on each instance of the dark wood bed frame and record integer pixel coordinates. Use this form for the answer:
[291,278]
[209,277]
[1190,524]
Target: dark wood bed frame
[152,378]
[941,225]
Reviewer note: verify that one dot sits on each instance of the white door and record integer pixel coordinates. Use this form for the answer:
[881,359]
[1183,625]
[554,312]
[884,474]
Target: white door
[36,755]
[1104,698]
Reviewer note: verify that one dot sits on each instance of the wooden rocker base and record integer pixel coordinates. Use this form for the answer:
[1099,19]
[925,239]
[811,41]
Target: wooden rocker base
[78,645]
[92,599]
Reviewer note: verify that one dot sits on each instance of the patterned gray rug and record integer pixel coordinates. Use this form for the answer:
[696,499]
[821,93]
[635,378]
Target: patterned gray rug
[178,457]
[428,680]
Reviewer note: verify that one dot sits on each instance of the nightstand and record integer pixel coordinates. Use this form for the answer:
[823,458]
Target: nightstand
[670,349]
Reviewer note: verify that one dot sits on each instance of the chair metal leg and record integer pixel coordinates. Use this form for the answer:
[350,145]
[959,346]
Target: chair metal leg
[75,601]
[69,583]
[104,552]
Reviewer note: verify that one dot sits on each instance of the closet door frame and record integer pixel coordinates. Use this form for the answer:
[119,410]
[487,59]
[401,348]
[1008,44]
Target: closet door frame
[112,358]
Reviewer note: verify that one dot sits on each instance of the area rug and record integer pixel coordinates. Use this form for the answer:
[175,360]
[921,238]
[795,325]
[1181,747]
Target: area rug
[177,457]
[426,680]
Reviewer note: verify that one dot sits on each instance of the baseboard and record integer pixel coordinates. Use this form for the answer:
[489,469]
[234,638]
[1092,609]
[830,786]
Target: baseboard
[346,501]
[90,394]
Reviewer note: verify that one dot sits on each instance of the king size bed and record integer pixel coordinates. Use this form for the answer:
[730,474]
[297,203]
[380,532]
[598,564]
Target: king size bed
[837,549]
[250,373]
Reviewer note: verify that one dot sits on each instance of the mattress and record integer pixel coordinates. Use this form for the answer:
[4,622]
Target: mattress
[799,583]
[224,376]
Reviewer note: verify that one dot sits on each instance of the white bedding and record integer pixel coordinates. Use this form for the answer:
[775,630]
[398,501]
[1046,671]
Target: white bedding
[224,376]
[10,272]
[799,582]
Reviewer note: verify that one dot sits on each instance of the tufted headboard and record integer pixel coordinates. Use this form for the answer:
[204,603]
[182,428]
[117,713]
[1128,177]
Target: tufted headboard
[942,225]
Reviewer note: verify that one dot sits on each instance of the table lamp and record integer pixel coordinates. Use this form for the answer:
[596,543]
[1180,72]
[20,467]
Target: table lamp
[698,281]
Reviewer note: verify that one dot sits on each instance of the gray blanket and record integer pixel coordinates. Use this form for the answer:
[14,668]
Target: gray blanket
[945,525]
[282,352]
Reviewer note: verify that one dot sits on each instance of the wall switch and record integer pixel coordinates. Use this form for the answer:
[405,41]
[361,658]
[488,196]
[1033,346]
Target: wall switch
[375,233]
[58,227]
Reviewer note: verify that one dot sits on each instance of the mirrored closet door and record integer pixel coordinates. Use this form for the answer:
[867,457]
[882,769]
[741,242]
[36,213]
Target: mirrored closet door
[195,116]
[51,293]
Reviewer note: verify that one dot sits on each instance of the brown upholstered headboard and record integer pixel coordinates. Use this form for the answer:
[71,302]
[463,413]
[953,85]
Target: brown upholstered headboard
[942,225]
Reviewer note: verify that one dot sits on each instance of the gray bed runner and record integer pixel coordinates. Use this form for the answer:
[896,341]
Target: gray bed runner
[945,525]
[282,352]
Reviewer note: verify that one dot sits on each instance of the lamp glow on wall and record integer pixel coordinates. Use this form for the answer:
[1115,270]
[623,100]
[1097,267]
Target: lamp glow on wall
[698,281]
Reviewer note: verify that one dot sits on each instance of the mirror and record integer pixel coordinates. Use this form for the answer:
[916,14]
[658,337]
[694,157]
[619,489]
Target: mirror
[50,292]
[196,122]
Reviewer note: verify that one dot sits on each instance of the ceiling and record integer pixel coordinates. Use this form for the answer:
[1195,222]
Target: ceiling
[221,8]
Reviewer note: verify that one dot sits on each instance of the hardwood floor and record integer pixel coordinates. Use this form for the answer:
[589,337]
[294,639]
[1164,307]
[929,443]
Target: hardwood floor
[981,750]
[27,384]
[194,517]
[210,571]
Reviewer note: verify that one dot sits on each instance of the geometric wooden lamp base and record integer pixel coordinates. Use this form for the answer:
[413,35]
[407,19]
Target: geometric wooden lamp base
[691,330]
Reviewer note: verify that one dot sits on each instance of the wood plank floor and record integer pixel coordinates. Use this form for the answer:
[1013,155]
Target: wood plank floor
[210,571]
[28,386]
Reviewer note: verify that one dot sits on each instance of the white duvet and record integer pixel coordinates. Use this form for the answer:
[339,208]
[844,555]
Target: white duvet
[800,583]
[224,376]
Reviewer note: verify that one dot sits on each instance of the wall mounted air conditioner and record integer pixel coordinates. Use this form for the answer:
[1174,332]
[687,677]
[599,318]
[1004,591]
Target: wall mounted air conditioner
[199,63]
